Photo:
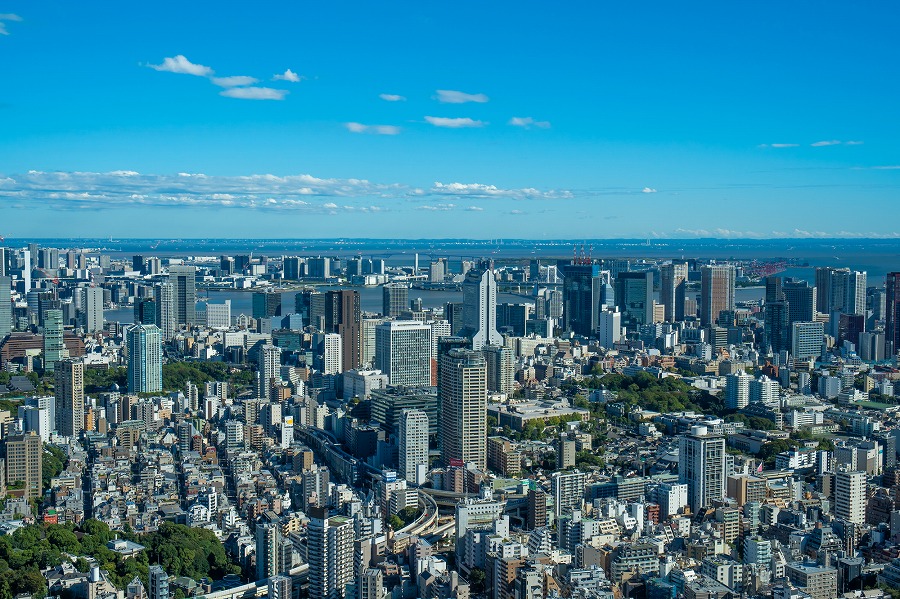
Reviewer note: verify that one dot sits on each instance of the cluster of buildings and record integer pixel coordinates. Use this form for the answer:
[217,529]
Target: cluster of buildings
[471,448]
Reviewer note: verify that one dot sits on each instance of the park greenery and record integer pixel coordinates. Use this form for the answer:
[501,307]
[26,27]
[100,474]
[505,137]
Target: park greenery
[181,550]
[177,374]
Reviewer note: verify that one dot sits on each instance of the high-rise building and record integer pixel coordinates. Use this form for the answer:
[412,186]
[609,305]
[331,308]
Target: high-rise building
[463,405]
[806,339]
[310,304]
[609,328]
[500,368]
[403,352]
[701,466]
[737,390]
[801,299]
[673,281]
[54,348]
[280,587]
[581,297]
[158,587]
[850,495]
[343,316]
[292,268]
[269,560]
[371,584]
[6,311]
[24,456]
[480,307]
[777,325]
[69,391]
[395,299]
[824,278]
[634,298]
[329,353]
[92,309]
[716,291]
[184,281]
[144,345]
[413,442]
[166,310]
[266,304]
[892,315]
[269,369]
[37,420]
[330,554]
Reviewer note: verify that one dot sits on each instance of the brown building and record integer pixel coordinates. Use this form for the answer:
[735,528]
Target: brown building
[537,509]
[24,455]
[16,345]
[344,317]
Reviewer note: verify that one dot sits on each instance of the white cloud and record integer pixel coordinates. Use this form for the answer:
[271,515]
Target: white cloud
[855,142]
[254,93]
[526,122]
[288,75]
[829,142]
[887,167]
[180,64]
[778,145]
[454,123]
[449,96]
[392,98]
[648,190]
[492,191]
[329,205]
[237,80]
[475,209]
[7,17]
[438,207]
[517,212]
[376,129]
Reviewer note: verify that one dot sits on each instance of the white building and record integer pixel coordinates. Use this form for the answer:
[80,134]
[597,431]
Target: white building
[737,390]
[403,352]
[413,442]
[609,328]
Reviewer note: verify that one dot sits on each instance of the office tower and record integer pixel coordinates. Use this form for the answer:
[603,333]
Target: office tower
[463,404]
[292,268]
[437,271]
[480,306]
[777,326]
[137,263]
[318,268]
[847,327]
[158,587]
[806,340]
[329,348]
[824,277]
[403,352]
[871,346]
[371,584]
[774,289]
[367,341]
[269,369]
[26,269]
[673,281]
[24,465]
[145,311]
[801,300]
[737,390]
[856,293]
[850,495]
[280,587]
[581,296]
[500,368]
[69,391]
[166,310]
[892,315]
[4,262]
[634,298]
[413,442]
[701,466]
[310,304]
[609,328]
[266,304]
[218,316]
[330,554]
[453,312]
[343,316]
[6,308]
[716,291]
[54,348]
[92,309]
[184,282]
[395,299]
[268,546]
[144,344]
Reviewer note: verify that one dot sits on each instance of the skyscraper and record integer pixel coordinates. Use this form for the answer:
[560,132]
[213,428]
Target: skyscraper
[166,310]
[92,309]
[54,348]
[403,352]
[701,466]
[5,306]
[737,390]
[69,391]
[413,442]
[463,404]
[395,299]
[480,306]
[850,496]
[673,281]
[716,292]
[777,326]
[823,288]
[268,546]
[330,550]
[581,297]
[892,315]
[266,304]
[801,299]
[24,465]
[184,281]
[310,304]
[806,340]
[144,344]
[343,316]
[500,368]
[634,297]
[269,368]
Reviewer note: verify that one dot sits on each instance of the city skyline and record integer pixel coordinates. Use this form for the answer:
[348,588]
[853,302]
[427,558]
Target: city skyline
[628,122]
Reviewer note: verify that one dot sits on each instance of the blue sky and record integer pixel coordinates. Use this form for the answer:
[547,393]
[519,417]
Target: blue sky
[462,119]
